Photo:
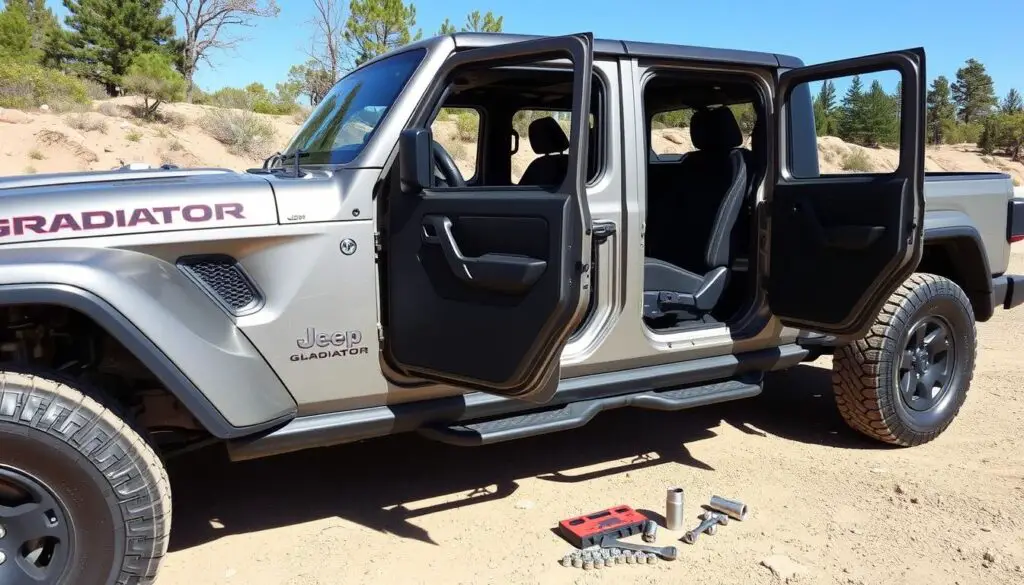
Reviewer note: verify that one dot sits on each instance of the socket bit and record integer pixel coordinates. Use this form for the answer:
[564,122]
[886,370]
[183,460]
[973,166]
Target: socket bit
[566,561]
[652,558]
[588,564]
[674,509]
[650,531]
[734,509]
[577,562]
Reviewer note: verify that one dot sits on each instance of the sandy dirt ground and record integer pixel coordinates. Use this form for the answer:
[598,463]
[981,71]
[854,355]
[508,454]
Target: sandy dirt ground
[837,508]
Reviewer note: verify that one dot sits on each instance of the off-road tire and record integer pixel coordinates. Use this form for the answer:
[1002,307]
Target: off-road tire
[101,471]
[865,373]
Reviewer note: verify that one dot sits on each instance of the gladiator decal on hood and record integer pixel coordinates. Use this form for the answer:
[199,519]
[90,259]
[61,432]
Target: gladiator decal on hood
[116,204]
[121,218]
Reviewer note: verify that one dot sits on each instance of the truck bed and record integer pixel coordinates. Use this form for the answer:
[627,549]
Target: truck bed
[975,201]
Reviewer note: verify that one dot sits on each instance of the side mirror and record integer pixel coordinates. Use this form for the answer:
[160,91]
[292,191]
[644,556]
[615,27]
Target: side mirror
[415,160]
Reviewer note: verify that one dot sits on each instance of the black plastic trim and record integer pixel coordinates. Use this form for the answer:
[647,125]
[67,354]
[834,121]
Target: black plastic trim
[327,429]
[118,326]
[1007,291]
[578,414]
[1015,219]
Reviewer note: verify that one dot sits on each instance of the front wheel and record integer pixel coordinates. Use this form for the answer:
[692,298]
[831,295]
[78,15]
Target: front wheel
[905,382]
[83,496]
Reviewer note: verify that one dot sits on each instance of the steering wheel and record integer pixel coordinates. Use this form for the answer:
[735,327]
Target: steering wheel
[449,171]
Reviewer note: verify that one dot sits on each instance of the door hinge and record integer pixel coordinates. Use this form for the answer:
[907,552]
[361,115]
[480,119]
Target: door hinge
[601,230]
[380,332]
[376,241]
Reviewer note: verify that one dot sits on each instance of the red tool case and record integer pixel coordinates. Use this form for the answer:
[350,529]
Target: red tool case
[588,530]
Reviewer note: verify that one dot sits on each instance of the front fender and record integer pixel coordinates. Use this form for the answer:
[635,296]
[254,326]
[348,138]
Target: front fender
[190,344]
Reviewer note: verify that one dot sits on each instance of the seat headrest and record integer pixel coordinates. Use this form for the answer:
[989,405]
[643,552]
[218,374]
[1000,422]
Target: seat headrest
[715,129]
[547,137]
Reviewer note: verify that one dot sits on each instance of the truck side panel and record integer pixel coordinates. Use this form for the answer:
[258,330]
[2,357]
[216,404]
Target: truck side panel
[152,308]
[975,200]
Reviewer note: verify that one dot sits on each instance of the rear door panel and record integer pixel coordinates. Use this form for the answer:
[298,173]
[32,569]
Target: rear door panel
[840,244]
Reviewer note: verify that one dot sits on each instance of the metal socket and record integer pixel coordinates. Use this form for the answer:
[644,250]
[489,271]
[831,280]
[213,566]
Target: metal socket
[734,509]
[650,531]
[674,509]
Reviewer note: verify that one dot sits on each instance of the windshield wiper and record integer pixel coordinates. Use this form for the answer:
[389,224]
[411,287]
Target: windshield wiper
[297,155]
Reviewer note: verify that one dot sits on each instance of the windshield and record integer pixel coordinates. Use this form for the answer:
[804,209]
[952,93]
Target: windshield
[340,126]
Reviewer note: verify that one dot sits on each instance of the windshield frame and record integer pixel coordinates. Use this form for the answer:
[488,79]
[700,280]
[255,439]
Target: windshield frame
[347,154]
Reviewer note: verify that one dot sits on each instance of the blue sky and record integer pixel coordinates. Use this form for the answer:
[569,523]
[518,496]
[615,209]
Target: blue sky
[815,30]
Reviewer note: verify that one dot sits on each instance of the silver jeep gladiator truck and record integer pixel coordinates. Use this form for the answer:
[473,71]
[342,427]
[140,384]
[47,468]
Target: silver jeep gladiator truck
[367,281]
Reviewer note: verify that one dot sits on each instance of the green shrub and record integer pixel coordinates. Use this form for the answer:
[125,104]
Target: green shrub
[133,136]
[467,124]
[245,133]
[95,90]
[152,76]
[24,86]
[857,161]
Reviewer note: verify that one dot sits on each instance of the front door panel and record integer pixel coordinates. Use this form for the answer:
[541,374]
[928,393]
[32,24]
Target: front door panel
[485,284]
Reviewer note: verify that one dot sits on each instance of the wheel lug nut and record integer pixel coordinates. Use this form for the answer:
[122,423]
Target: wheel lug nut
[3,531]
[3,557]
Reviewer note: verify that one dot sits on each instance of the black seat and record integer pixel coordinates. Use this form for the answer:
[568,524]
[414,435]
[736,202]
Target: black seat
[688,267]
[548,140]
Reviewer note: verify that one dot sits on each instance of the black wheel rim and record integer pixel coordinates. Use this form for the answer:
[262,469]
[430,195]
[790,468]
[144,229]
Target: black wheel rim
[35,535]
[926,364]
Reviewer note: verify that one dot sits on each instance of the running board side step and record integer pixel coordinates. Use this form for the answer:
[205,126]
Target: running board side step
[577,414]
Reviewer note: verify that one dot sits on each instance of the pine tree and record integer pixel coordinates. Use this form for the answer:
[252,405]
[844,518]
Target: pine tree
[375,27]
[15,33]
[880,113]
[486,23]
[851,119]
[1012,103]
[973,92]
[107,35]
[825,110]
[447,28]
[40,19]
[941,110]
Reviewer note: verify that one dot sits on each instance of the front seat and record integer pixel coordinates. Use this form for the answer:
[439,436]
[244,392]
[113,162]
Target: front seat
[688,279]
[548,140]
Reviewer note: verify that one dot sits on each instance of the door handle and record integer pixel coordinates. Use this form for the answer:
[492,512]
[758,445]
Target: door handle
[504,273]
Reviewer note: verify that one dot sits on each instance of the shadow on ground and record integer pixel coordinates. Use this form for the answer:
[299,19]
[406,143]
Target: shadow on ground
[369,482]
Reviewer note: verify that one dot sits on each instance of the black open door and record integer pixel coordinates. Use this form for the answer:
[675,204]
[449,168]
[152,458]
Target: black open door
[840,244]
[485,284]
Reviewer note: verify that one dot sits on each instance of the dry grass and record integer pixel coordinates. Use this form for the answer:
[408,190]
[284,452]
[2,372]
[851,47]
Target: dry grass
[86,123]
[857,161]
[36,154]
[109,109]
[245,133]
[133,136]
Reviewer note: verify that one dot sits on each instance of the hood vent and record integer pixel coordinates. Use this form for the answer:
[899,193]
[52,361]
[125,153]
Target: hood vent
[224,279]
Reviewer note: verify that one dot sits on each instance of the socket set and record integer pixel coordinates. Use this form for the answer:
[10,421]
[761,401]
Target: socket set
[602,558]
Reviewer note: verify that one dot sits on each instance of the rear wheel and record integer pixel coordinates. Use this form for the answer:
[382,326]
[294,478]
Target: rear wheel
[83,496]
[905,382]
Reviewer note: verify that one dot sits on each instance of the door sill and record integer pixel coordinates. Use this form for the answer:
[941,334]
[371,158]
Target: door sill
[324,430]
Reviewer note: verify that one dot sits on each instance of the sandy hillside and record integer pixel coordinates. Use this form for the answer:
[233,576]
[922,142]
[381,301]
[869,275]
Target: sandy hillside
[827,506]
[109,136]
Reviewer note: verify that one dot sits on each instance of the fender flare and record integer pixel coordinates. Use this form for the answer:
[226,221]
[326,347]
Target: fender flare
[188,343]
[956,230]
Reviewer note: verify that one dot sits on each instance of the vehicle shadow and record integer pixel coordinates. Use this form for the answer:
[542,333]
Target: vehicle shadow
[370,482]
